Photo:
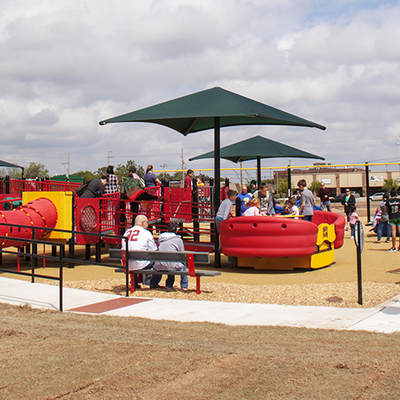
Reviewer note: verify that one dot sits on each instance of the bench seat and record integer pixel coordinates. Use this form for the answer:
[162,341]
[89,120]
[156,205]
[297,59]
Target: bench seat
[172,256]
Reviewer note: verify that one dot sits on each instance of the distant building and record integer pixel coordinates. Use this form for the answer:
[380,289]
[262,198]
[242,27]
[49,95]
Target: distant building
[339,179]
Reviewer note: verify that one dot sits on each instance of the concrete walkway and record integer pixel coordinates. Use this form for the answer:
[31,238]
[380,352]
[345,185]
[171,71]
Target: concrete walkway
[383,318]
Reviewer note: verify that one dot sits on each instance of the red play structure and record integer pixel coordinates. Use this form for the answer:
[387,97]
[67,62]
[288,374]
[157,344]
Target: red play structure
[258,242]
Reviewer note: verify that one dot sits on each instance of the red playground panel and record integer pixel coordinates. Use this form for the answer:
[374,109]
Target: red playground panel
[177,204]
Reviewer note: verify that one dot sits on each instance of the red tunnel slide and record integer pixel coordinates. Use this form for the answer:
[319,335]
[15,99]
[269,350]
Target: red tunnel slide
[40,213]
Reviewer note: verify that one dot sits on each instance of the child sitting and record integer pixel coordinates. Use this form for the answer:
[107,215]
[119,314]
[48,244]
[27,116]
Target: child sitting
[287,208]
[252,208]
[290,207]
[295,209]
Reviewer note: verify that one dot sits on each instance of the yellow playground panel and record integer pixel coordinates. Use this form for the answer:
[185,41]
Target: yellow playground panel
[63,204]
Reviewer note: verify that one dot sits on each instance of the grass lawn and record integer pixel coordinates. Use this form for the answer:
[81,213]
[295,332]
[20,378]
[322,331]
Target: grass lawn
[52,355]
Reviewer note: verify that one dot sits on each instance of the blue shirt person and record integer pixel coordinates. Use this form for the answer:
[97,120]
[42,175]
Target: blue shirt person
[244,197]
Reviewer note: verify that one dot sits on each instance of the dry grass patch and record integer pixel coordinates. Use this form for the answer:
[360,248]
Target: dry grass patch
[52,355]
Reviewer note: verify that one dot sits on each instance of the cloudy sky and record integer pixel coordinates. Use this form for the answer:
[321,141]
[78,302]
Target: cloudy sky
[66,65]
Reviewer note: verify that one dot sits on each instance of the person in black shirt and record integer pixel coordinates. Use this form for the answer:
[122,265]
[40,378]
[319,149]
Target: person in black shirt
[95,188]
[393,209]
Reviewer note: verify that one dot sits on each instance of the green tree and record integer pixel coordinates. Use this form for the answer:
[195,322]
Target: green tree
[13,173]
[122,170]
[101,171]
[314,187]
[282,187]
[86,175]
[389,183]
[36,170]
[176,176]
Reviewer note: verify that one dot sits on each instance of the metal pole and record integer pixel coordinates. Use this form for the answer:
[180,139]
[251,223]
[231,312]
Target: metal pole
[367,191]
[217,185]
[238,207]
[127,268]
[33,260]
[61,262]
[8,185]
[289,181]
[359,276]
[34,253]
[195,211]
[258,171]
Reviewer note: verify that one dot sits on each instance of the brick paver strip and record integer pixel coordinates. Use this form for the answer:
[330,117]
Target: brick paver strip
[108,305]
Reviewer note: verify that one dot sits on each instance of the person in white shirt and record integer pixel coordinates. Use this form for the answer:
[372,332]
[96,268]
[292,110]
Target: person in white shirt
[139,238]
[294,209]
[225,208]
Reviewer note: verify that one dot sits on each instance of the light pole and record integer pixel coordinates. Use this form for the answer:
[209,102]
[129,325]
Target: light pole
[163,167]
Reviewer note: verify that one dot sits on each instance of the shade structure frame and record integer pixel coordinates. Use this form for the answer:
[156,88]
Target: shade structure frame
[201,110]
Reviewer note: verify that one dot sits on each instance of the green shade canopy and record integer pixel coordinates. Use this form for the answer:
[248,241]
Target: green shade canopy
[196,112]
[5,164]
[257,146]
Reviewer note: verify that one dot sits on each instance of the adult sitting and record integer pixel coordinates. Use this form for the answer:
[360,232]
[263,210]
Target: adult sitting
[266,200]
[150,179]
[95,188]
[244,197]
[170,241]
[132,188]
[139,238]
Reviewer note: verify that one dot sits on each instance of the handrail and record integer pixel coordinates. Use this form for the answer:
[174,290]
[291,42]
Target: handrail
[61,257]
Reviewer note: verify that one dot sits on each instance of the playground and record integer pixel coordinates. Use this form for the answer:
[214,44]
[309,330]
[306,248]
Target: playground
[335,285]
[104,356]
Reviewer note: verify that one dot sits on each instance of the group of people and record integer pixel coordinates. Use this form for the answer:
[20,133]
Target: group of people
[108,183]
[389,213]
[139,238]
[262,202]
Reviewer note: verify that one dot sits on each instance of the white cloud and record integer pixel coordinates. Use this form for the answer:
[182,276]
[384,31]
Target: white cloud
[68,65]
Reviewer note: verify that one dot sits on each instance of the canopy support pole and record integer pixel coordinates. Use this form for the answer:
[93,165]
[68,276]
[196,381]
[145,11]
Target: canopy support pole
[258,171]
[367,192]
[190,126]
[217,183]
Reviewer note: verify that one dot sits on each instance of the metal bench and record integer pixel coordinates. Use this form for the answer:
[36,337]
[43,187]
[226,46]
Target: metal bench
[172,256]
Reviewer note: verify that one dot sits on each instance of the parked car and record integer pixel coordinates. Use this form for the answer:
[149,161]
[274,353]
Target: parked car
[338,199]
[377,196]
